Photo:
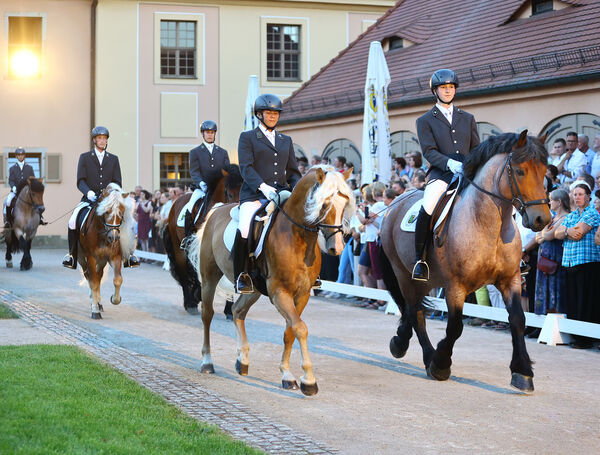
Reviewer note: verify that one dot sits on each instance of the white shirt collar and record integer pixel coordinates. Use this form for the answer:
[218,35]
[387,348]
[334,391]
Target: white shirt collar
[99,152]
[444,110]
[269,134]
[209,147]
[21,164]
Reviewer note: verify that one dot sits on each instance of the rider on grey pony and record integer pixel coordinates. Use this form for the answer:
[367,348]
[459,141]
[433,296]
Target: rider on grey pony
[446,134]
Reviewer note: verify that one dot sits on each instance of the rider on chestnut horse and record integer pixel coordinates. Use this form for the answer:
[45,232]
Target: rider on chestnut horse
[18,172]
[95,171]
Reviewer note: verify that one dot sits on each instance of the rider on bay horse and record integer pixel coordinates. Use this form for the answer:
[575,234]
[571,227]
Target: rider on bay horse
[267,164]
[206,163]
[446,134]
[95,171]
[18,172]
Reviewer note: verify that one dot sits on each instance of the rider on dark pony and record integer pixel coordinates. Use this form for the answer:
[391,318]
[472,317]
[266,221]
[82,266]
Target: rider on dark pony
[206,164]
[446,134]
[95,171]
[18,172]
[267,164]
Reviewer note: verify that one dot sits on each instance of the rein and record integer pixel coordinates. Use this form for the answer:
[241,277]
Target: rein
[515,192]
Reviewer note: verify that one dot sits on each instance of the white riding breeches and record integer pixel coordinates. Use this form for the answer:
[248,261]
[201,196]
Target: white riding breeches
[197,194]
[8,200]
[433,192]
[247,210]
[73,219]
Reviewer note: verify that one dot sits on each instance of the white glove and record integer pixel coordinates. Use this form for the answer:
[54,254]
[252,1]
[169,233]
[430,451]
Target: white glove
[454,166]
[14,189]
[269,192]
[91,196]
[203,187]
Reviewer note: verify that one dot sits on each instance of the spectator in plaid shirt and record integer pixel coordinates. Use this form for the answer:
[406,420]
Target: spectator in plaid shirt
[581,258]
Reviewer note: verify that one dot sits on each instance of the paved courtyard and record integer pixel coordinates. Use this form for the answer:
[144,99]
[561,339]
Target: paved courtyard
[368,402]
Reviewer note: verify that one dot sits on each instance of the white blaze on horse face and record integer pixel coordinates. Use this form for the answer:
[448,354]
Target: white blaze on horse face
[339,204]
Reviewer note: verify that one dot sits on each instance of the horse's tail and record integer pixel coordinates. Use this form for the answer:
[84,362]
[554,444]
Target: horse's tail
[170,249]
[390,280]
[192,250]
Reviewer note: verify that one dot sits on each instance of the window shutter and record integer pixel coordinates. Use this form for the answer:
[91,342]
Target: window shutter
[53,168]
[2,168]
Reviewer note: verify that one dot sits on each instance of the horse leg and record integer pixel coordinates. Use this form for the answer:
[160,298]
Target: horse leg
[95,277]
[285,305]
[417,318]
[240,309]
[520,365]
[208,295]
[25,245]
[115,299]
[399,342]
[439,367]
[8,255]
[288,380]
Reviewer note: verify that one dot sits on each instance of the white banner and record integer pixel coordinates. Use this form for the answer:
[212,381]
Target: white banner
[376,144]
[250,121]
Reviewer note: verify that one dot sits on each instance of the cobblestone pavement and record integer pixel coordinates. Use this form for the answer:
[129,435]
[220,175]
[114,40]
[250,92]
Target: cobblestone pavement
[233,417]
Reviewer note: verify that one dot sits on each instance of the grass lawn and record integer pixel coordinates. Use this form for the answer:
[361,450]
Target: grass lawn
[7,313]
[59,400]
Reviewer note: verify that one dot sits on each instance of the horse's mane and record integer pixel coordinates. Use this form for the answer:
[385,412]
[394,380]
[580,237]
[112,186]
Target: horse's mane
[111,202]
[496,145]
[334,182]
[36,186]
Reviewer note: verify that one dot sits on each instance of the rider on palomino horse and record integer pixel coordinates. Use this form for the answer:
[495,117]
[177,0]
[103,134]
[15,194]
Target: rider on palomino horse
[95,171]
[17,173]
[267,164]
[446,134]
[206,164]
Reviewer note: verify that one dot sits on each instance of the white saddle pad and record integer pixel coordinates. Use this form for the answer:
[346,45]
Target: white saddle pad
[410,217]
[230,231]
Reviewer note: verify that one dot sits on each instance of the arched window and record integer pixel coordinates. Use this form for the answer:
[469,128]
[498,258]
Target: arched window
[404,142]
[486,130]
[588,124]
[345,148]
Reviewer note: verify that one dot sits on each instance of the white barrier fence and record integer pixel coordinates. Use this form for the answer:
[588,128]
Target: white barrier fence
[556,328]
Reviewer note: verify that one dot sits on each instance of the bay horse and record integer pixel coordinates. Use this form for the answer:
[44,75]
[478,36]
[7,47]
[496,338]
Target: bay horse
[483,246]
[106,237]
[314,218]
[225,189]
[29,206]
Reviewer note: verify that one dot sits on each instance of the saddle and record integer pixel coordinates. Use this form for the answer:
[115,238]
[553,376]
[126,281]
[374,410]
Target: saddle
[82,216]
[195,211]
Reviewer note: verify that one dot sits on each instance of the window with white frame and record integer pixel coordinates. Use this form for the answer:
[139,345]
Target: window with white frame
[283,52]
[24,47]
[178,49]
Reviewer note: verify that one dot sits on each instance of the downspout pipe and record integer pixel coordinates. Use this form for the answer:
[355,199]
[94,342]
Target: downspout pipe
[93,65]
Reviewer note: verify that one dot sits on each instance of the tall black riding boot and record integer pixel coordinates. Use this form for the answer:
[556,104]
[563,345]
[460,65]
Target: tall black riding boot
[422,233]
[243,282]
[70,260]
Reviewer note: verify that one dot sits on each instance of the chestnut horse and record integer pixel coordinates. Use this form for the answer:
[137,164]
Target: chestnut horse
[29,206]
[312,219]
[226,189]
[105,238]
[483,246]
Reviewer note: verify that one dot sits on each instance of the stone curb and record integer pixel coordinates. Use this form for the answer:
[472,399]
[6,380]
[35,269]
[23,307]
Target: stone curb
[200,403]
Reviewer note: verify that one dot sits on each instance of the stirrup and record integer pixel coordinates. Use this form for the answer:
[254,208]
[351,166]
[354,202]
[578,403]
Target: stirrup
[184,242]
[421,276]
[317,284]
[132,261]
[246,289]
[69,262]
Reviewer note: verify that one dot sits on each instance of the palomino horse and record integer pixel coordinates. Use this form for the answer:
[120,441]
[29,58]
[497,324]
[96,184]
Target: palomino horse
[483,246]
[314,217]
[226,189]
[29,206]
[106,237]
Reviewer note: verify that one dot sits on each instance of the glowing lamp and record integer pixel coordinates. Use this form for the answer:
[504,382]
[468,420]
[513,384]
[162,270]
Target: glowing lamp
[25,64]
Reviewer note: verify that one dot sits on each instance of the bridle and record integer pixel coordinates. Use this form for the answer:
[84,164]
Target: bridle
[515,192]
[31,202]
[317,226]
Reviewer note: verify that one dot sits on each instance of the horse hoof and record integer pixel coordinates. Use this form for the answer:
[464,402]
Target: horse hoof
[309,389]
[100,307]
[440,374]
[193,310]
[397,351]
[9,264]
[115,301]
[521,382]
[241,369]
[207,368]
[96,316]
[289,385]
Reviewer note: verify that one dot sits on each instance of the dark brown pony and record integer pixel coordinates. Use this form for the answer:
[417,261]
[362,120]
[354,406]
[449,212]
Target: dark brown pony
[226,189]
[29,206]
[106,237]
[314,218]
[483,246]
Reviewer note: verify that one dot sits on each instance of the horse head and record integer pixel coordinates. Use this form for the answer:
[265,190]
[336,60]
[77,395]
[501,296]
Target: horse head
[112,206]
[36,194]
[526,170]
[233,182]
[329,206]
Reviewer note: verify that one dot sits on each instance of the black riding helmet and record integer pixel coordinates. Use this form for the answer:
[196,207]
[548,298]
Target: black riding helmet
[441,77]
[100,130]
[266,102]
[19,151]
[208,125]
